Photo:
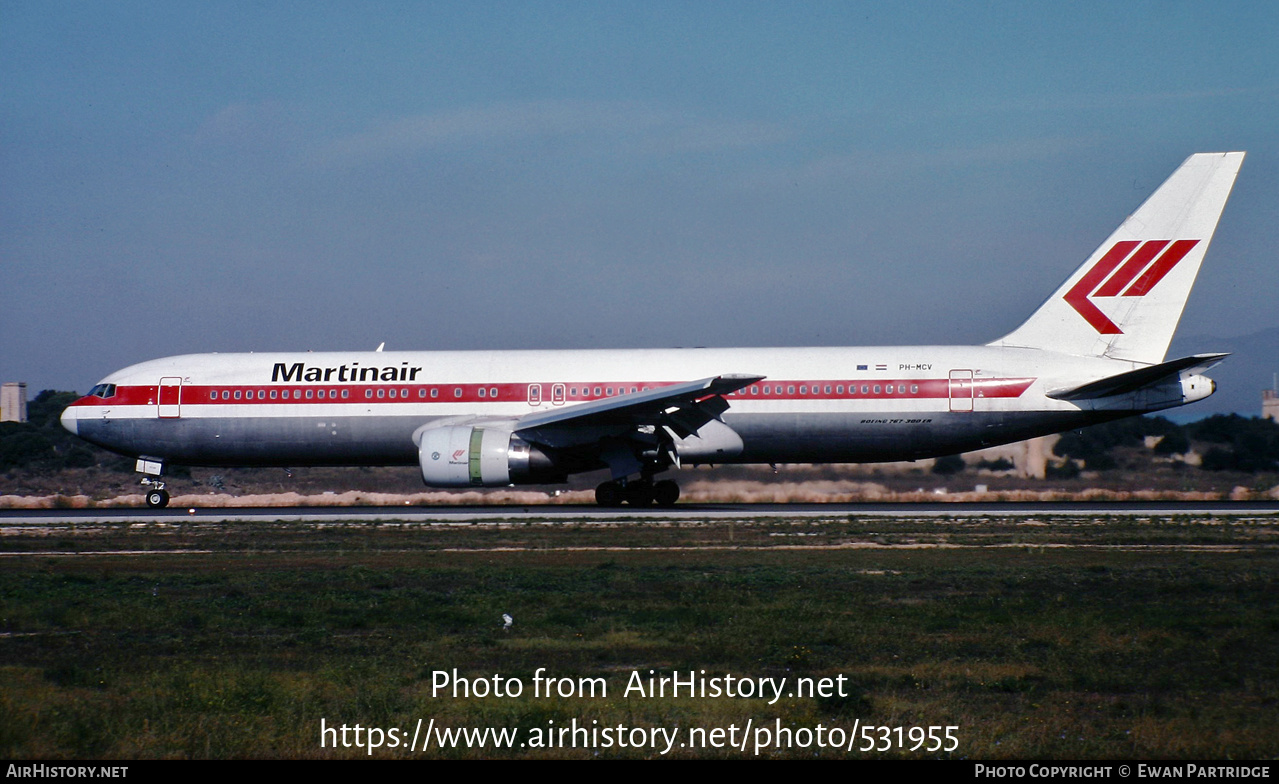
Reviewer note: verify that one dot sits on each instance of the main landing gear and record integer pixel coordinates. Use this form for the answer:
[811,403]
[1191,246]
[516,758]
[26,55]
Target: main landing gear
[637,492]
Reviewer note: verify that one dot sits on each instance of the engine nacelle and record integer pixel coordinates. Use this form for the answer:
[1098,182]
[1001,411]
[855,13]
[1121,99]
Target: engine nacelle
[467,456]
[1197,387]
[714,442]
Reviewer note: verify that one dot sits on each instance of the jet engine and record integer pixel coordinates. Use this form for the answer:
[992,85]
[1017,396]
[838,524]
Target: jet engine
[476,456]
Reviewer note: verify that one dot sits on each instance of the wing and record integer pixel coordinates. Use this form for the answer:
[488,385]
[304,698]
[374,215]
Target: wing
[626,426]
[683,407]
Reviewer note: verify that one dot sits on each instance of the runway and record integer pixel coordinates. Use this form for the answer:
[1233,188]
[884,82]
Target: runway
[586,514]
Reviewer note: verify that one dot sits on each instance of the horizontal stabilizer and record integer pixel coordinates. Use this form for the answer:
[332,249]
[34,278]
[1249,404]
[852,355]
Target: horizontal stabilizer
[1134,380]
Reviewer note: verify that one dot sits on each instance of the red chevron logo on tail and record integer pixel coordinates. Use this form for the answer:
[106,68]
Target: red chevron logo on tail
[1136,266]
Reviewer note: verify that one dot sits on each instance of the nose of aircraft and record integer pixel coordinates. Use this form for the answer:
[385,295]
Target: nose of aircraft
[69,420]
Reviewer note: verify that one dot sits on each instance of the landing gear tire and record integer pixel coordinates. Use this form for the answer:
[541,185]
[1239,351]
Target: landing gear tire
[666,493]
[158,499]
[609,494]
[639,494]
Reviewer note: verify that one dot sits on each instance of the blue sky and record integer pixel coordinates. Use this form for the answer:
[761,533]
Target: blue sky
[211,176]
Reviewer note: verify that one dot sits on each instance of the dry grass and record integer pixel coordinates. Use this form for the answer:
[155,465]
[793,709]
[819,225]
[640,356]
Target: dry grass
[698,492]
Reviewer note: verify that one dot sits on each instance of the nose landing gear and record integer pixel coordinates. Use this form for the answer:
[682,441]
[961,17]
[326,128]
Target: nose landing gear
[157,496]
[157,499]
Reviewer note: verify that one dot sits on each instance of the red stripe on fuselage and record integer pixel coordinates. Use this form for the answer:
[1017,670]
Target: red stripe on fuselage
[846,389]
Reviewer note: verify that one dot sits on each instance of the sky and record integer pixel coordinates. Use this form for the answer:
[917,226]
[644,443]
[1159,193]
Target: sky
[181,177]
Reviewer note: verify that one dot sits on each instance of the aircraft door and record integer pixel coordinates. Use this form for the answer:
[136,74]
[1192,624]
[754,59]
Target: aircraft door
[535,394]
[961,391]
[557,395]
[169,398]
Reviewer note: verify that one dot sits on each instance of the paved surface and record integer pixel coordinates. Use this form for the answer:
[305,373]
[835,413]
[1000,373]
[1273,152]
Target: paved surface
[590,513]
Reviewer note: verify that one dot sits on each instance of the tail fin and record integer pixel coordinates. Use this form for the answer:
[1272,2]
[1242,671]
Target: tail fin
[1126,300]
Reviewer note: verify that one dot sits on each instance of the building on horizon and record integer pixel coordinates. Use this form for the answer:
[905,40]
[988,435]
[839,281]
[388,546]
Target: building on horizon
[13,401]
[1270,404]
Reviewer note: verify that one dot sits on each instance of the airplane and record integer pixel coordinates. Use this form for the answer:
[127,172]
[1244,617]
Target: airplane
[1092,352]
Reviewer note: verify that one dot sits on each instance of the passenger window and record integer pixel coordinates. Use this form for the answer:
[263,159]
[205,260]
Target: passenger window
[404,393]
[368,393]
[839,390]
[321,394]
[421,393]
[914,389]
[457,392]
[790,390]
[237,394]
[483,392]
[492,391]
[877,389]
[866,389]
[392,393]
[309,393]
[381,393]
[435,393]
[346,393]
[261,394]
[274,394]
[803,390]
[215,395]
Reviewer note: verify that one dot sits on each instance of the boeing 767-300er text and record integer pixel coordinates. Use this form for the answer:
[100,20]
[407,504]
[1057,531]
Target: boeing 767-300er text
[1094,351]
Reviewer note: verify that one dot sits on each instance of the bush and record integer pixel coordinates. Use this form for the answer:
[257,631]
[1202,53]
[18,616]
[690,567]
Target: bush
[23,444]
[1102,461]
[41,443]
[1066,469]
[1244,444]
[950,464]
[1002,464]
[1174,443]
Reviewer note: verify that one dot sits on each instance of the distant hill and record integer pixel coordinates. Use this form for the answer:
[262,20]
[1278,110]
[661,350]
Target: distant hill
[1250,368]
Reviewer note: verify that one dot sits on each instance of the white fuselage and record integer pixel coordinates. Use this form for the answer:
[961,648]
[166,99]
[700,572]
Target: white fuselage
[1094,350]
[813,405]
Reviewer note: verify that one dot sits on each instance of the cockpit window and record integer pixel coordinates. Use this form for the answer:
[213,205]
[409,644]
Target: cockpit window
[103,391]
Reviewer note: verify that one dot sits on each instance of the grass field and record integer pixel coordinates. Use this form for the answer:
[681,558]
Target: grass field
[1052,637]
